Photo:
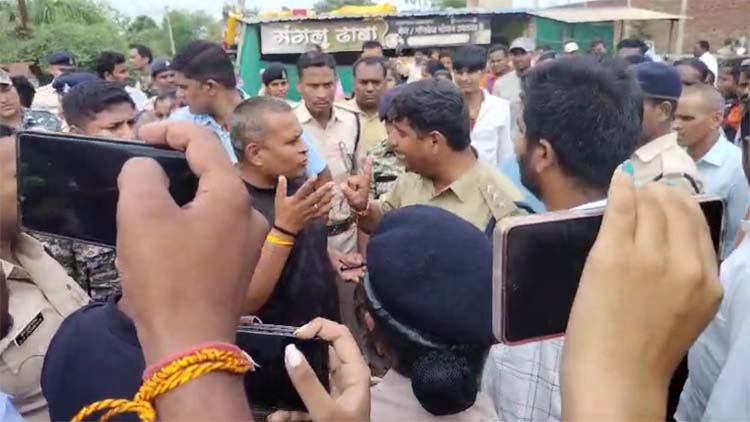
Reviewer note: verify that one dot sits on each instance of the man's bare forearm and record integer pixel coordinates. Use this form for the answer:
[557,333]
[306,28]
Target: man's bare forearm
[267,273]
[369,222]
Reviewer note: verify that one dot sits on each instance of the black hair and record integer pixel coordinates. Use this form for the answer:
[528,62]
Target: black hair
[143,51]
[471,57]
[549,55]
[434,105]
[633,43]
[203,61]
[590,113]
[745,70]
[371,61]
[84,101]
[106,61]
[498,47]
[704,45]
[446,53]
[315,59]
[168,95]
[367,45]
[25,90]
[444,381]
[732,69]
[432,66]
[598,41]
[433,50]
[636,59]
[696,64]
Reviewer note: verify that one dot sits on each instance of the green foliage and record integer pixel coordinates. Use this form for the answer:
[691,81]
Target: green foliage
[324,6]
[87,27]
[142,23]
[448,4]
[188,26]
[88,41]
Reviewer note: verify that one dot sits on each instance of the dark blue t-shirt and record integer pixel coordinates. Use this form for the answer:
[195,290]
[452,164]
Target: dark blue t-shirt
[95,355]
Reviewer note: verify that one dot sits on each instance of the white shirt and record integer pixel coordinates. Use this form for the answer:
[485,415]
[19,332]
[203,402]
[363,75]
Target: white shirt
[718,384]
[139,98]
[712,63]
[491,133]
[524,380]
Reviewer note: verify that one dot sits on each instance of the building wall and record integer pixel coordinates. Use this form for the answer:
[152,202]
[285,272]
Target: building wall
[712,20]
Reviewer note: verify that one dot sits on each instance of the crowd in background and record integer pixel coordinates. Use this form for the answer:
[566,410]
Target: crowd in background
[376,213]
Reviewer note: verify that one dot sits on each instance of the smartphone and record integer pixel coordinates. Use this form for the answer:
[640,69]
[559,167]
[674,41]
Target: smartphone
[269,388]
[538,262]
[67,184]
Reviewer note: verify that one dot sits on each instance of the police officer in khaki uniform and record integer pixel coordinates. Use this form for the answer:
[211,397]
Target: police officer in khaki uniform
[430,135]
[659,158]
[41,296]
[336,132]
[47,98]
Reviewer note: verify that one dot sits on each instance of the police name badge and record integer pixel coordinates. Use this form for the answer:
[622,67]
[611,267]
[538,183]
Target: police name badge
[29,329]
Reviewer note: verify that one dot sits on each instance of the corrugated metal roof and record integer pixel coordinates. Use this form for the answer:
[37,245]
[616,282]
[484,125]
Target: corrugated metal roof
[404,14]
[603,14]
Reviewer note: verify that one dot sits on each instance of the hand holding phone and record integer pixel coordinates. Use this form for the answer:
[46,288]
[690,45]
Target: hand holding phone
[349,400]
[649,287]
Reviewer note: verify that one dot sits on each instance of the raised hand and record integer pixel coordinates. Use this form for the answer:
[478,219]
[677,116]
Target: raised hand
[357,188]
[292,213]
[649,287]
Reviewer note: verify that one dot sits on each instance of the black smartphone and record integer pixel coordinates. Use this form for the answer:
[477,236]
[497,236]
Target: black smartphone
[269,388]
[538,262]
[67,184]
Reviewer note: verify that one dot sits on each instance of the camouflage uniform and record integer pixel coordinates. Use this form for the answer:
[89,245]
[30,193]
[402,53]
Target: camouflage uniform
[40,120]
[142,81]
[386,168]
[92,267]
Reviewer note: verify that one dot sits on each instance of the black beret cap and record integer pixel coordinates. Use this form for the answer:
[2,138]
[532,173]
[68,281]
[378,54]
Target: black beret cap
[273,72]
[658,80]
[160,65]
[431,271]
[61,58]
[66,82]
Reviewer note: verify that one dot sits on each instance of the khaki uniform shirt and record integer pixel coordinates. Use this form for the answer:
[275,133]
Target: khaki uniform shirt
[663,158]
[338,143]
[41,296]
[373,129]
[477,196]
[46,99]
[393,400]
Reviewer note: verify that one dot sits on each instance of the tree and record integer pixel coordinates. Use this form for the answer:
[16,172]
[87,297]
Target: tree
[142,23]
[324,6]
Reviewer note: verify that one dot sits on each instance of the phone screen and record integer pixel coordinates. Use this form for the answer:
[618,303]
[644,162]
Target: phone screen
[543,265]
[67,184]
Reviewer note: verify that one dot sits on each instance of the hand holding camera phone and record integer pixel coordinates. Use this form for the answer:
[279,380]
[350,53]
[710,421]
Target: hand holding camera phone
[538,262]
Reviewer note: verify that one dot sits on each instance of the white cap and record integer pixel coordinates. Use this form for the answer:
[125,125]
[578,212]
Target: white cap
[571,47]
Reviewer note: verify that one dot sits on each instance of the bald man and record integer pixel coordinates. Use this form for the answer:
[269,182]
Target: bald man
[698,125]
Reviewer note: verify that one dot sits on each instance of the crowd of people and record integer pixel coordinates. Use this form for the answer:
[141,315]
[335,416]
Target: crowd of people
[368,222]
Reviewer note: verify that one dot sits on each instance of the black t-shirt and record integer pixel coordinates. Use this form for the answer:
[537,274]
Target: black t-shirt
[307,286]
[94,355]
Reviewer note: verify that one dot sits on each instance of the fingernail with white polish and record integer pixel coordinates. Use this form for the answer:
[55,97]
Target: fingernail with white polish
[292,356]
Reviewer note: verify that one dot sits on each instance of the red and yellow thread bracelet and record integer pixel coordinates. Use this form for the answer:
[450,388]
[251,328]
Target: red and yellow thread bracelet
[170,375]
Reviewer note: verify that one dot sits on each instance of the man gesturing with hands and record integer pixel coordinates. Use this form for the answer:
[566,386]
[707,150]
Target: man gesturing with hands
[295,281]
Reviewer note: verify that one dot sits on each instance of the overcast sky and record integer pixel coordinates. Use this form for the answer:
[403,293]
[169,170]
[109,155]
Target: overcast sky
[155,8]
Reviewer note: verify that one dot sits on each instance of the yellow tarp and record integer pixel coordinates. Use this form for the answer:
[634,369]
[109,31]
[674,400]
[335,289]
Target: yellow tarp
[378,9]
